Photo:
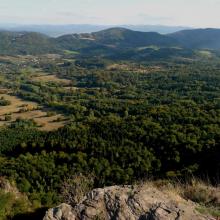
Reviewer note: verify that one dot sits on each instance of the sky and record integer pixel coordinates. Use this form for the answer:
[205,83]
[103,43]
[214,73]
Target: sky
[192,13]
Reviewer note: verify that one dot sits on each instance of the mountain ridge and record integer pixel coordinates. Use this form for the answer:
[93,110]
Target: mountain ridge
[207,38]
[109,39]
[122,37]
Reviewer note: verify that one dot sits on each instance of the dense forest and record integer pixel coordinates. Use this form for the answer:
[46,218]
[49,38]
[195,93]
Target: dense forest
[124,125]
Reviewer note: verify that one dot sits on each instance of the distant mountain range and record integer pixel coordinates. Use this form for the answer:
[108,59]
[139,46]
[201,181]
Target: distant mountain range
[59,30]
[112,42]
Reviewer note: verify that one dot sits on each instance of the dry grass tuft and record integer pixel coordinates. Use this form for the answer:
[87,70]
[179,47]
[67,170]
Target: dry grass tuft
[203,193]
[198,191]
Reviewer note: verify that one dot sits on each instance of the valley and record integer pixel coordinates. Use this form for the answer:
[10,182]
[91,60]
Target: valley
[115,107]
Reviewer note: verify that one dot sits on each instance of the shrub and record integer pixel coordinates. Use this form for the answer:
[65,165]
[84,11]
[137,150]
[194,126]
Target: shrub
[4,102]
[75,188]
[8,118]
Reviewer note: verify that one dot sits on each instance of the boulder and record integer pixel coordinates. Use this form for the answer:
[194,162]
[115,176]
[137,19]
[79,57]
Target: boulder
[128,203]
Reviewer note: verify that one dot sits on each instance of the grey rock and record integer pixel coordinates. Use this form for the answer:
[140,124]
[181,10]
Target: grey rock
[62,212]
[128,203]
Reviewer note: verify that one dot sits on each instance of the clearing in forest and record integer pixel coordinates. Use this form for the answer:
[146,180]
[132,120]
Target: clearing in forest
[19,108]
[43,77]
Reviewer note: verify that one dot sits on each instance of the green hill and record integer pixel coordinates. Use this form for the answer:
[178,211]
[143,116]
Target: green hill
[25,43]
[198,38]
[116,37]
[126,38]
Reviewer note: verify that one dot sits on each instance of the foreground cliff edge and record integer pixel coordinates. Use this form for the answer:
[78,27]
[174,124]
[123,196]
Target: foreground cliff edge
[145,202]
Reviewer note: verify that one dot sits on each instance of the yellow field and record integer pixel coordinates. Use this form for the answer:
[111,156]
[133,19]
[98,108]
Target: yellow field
[134,68]
[29,110]
[50,78]
[25,58]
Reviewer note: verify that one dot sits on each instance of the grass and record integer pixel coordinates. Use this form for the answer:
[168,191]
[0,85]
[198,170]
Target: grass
[196,190]
[70,52]
[205,53]
[202,193]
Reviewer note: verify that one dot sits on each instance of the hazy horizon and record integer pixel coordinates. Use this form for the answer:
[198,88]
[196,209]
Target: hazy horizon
[59,30]
[190,13]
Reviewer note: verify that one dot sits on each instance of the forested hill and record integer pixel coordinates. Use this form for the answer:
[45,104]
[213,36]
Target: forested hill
[198,38]
[13,43]
[121,37]
[25,43]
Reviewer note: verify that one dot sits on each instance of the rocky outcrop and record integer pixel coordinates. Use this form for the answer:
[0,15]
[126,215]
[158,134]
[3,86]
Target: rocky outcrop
[128,203]
[62,212]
